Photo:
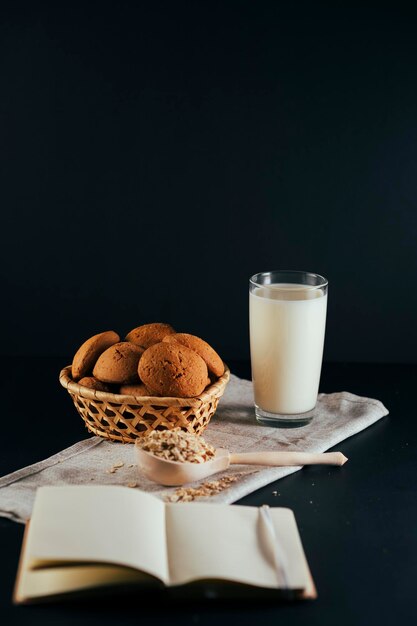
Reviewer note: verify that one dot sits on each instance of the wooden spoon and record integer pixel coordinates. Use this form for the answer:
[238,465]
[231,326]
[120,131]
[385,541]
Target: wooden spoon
[173,473]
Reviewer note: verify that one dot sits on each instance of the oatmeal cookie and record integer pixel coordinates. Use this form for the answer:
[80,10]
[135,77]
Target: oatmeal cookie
[173,370]
[88,353]
[119,364]
[149,334]
[135,390]
[93,383]
[214,363]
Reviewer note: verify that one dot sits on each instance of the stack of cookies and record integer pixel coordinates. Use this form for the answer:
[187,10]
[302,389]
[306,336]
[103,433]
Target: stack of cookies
[153,360]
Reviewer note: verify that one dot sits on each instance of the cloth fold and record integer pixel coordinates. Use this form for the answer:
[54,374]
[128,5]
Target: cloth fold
[95,461]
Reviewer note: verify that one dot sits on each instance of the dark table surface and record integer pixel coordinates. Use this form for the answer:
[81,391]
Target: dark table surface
[358,523]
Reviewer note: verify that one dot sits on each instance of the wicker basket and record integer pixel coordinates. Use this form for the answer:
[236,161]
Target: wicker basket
[125,418]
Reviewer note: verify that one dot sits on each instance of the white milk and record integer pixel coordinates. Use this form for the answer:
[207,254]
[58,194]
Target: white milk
[287,324]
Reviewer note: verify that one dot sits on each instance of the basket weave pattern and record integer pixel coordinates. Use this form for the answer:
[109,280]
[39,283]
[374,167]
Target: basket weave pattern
[125,418]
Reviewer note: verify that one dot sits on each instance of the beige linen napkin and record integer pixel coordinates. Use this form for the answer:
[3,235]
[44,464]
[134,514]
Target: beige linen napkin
[95,461]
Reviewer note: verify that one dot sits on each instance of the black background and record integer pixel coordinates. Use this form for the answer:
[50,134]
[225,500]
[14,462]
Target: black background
[154,155]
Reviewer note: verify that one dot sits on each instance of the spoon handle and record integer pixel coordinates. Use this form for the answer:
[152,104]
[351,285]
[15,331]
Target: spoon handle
[288,458]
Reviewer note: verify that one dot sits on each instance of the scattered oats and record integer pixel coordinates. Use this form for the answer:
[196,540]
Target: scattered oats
[211,488]
[177,445]
[132,465]
[132,485]
[115,467]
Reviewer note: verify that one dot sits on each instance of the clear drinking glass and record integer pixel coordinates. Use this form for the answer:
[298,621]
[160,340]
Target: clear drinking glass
[287,319]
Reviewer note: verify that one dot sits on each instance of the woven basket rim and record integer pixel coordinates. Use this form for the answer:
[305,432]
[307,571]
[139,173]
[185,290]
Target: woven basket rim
[215,390]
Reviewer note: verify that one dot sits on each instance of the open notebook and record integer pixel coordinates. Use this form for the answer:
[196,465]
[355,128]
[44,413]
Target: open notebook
[80,538]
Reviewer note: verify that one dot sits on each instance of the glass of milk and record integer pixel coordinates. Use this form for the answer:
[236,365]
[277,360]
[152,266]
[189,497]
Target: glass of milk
[287,319]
